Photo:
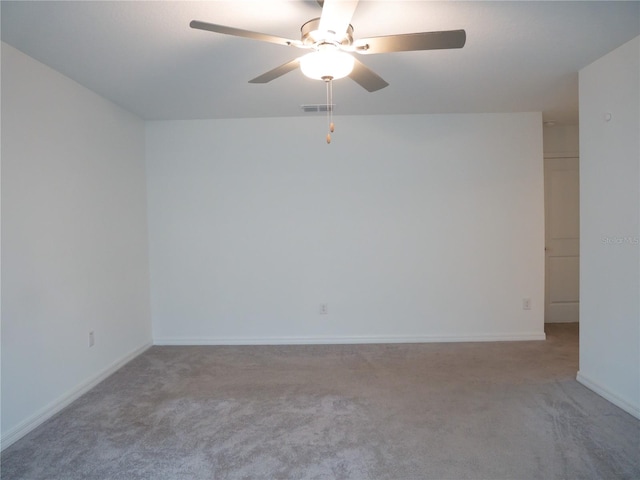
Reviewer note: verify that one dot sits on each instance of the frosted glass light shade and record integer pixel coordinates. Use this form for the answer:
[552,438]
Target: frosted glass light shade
[327,63]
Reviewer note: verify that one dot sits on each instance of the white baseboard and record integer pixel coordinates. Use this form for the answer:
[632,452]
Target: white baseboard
[608,395]
[57,405]
[507,337]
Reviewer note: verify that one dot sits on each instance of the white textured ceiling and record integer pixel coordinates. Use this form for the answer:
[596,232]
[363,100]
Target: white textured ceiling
[519,56]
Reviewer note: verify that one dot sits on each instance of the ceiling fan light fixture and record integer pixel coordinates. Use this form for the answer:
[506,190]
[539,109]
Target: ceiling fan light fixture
[326,63]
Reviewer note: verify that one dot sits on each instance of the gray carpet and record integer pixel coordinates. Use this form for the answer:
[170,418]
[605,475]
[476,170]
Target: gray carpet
[422,411]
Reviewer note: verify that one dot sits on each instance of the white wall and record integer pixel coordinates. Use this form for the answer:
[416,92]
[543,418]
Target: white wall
[610,234]
[410,228]
[561,141]
[74,241]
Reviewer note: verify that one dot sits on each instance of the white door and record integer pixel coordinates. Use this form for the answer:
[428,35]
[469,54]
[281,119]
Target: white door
[562,225]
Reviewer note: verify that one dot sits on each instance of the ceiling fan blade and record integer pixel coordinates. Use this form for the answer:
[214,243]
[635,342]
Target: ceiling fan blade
[276,72]
[336,15]
[366,77]
[412,41]
[237,32]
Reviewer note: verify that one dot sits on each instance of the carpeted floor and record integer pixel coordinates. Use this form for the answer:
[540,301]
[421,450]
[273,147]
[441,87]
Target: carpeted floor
[510,410]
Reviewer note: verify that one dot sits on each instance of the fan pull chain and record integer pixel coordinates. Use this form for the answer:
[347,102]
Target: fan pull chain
[329,82]
[331,127]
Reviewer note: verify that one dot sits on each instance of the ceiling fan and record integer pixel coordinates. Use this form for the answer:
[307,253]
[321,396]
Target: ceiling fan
[331,41]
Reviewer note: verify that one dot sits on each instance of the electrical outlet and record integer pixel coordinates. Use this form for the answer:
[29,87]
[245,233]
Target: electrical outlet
[526,304]
[92,339]
[324,309]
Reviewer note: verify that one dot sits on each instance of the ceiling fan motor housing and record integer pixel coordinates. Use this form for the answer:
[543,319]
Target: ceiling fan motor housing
[311,35]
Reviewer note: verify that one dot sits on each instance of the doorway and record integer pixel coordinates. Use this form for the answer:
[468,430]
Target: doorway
[562,239]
